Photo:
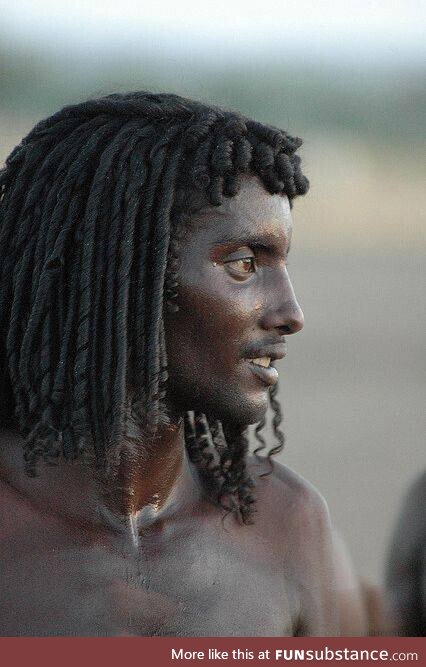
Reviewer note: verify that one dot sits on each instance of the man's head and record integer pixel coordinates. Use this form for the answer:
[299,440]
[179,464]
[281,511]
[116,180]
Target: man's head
[127,225]
[236,304]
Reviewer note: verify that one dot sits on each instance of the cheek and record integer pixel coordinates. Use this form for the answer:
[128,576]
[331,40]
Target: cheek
[217,321]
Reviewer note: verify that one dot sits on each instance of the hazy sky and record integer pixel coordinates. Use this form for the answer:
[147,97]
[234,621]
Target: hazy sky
[360,27]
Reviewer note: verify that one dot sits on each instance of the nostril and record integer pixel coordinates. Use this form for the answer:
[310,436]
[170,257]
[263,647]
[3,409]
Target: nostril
[289,329]
[294,324]
[298,322]
[287,319]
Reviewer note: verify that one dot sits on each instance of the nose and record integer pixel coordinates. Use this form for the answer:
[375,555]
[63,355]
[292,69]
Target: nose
[282,311]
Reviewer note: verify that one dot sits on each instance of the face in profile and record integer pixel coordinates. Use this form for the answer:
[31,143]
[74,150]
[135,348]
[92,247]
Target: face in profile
[236,305]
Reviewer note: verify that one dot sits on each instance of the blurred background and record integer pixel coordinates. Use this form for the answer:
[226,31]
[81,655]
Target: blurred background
[350,79]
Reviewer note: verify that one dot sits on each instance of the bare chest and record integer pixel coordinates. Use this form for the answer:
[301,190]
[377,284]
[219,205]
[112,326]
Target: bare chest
[200,584]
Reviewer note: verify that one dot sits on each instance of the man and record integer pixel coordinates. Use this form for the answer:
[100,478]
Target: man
[145,298]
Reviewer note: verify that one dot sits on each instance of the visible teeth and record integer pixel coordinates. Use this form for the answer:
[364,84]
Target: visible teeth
[262,361]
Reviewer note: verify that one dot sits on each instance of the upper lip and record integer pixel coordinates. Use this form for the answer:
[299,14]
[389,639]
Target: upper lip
[272,351]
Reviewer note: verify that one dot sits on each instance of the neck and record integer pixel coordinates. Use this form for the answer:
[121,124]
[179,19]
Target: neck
[149,480]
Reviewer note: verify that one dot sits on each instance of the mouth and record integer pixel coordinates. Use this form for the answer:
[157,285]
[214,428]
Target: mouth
[261,361]
[261,367]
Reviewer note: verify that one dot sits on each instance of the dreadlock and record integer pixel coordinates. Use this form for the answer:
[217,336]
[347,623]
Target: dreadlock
[92,205]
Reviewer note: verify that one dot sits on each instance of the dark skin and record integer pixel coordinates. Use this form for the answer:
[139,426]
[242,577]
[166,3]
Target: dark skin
[143,552]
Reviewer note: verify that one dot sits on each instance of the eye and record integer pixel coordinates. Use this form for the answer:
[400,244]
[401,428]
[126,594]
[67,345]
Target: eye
[241,268]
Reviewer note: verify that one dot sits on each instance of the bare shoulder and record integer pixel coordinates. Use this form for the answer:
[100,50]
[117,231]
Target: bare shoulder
[284,488]
[288,501]
[292,516]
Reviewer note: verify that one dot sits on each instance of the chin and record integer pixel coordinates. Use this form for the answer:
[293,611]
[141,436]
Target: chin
[229,405]
[240,410]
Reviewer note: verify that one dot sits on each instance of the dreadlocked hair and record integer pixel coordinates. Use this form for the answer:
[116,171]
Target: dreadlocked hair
[92,204]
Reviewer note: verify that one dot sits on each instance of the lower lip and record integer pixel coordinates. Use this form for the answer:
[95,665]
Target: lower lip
[268,375]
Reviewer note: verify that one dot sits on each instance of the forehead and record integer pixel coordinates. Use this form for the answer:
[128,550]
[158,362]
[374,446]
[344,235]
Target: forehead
[252,213]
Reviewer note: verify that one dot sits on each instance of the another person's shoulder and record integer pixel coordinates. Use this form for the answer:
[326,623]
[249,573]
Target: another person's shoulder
[406,564]
[416,496]
[411,522]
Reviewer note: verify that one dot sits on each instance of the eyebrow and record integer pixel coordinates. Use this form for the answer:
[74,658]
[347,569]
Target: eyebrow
[261,241]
